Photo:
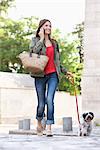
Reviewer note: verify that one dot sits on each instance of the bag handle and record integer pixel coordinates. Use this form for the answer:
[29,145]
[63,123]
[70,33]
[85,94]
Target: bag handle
[30,54]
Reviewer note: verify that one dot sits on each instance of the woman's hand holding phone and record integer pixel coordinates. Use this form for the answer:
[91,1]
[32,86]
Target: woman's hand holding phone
[41,34]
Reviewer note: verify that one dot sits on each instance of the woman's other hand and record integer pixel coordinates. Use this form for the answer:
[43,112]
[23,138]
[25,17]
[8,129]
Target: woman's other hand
[70,76]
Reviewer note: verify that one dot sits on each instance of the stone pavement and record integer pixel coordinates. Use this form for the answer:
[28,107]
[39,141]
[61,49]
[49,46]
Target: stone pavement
[34,142]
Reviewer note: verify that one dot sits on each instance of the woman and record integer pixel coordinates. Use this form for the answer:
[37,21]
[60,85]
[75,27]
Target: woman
[46,83]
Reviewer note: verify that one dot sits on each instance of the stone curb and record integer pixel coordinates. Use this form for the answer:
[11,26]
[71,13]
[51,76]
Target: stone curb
[33,132]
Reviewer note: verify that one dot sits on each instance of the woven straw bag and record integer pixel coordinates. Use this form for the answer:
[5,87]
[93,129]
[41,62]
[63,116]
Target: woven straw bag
[34,63]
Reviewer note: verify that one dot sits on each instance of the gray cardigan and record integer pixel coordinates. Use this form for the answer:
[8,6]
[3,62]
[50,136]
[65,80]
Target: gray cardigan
[36,46]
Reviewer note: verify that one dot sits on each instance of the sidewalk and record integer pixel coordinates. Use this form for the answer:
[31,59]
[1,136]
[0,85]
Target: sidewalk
[34,142]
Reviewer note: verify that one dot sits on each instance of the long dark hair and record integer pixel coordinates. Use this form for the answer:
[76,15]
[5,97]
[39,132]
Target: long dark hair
[41,23]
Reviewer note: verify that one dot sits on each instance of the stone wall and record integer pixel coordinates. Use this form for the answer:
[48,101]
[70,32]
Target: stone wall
[18,100]
[91,74]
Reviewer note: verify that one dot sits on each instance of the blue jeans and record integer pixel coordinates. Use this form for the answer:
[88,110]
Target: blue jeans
[50,82]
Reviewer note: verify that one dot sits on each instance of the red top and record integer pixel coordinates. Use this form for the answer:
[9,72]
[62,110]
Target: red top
[50,67]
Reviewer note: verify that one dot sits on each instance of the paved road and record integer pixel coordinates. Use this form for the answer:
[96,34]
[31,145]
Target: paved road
[34,142]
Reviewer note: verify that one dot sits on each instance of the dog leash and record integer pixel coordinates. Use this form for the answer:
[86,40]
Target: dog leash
[73,83]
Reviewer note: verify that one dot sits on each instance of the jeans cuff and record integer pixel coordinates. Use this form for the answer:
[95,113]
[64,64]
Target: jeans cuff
[39,118]
[49,122]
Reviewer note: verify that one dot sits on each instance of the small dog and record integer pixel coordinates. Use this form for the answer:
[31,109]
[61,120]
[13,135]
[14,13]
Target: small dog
[86,124]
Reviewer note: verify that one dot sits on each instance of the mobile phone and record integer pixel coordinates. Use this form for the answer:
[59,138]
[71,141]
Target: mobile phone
[44,31]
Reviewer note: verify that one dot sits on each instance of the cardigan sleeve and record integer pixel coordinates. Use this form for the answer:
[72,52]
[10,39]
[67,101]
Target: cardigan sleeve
[62,68]
[35,45]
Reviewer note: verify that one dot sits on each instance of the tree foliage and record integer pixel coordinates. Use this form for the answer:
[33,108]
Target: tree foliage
[79,32]
[5,4]
[70,59]
[15,37]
